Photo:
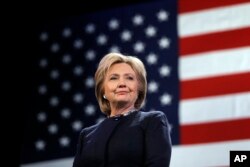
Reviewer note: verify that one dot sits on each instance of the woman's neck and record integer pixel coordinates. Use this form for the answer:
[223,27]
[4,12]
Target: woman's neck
[121,111]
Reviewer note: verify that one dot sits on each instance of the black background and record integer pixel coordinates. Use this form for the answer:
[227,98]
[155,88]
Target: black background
[245,163]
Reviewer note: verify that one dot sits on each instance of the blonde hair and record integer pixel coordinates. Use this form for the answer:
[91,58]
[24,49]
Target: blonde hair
[106,62]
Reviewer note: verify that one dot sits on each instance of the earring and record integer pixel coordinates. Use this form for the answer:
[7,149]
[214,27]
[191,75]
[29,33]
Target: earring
[104,96]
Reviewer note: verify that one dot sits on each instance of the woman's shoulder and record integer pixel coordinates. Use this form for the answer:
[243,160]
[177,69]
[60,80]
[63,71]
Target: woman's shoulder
[155,113]
[90,128]
[153,116]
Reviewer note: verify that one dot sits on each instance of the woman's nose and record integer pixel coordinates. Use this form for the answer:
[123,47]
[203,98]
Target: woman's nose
[121,83]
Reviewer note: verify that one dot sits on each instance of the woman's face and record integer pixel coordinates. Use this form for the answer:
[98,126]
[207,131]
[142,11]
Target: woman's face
[121,85]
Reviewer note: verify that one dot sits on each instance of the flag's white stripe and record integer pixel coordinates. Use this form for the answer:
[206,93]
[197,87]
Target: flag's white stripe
[215,154]
[216,19]
[215,108]
[64,162]
[215,63]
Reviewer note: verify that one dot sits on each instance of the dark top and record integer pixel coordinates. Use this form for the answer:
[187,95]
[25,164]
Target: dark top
[140,139]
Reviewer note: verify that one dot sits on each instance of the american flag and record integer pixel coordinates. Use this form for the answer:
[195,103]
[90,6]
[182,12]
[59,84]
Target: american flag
[197,56]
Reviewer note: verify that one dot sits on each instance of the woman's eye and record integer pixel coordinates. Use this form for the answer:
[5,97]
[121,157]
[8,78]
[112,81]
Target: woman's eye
[112,78]
[130,78]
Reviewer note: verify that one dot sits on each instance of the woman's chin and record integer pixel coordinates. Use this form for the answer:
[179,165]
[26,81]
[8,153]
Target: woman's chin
[122,102]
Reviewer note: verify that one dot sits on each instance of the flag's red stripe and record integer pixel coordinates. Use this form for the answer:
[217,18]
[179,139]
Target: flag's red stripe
[215,131]
[194,5]
[215,41]
[218,85]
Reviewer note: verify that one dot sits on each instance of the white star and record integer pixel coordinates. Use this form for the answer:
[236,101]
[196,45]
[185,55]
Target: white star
[113,24]
[41,116]
[44,36]
[78,70]
[89,110]
[153,87]
[126,35]
[40,145]
[90,28]
[54,101]
[102,39]
[164,42]
[54,74]
[65,113]
[150,31]
[166,99]
[138,20]
[53,128]
[66,59]
[152,59]
[78,44]
[139,47]
[78,98]
[114,49]
[66,32]
[162,15]
[42,89]
[164,71]
[66,86]
[64,141]
[89,82]
[43,63]
[77,125]
[90,55]
[55,47]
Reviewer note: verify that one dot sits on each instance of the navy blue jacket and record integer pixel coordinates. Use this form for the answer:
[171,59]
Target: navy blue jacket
[140,139]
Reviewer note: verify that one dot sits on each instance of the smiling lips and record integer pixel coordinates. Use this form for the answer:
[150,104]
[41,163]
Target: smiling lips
[121,92]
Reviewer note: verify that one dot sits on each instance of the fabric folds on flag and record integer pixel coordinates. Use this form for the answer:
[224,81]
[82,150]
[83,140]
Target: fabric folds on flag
[197,55]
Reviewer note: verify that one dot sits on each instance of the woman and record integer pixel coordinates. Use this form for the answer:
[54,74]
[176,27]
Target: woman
[128,137]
